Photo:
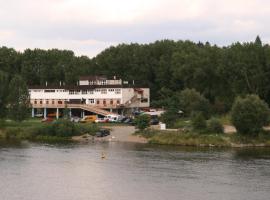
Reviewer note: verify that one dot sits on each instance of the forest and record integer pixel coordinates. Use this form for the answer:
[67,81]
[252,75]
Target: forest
[220,74]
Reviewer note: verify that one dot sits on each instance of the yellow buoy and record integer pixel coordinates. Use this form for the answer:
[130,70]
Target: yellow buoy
[103,156]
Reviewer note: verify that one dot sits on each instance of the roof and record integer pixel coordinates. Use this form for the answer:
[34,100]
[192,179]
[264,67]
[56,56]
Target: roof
[82,87]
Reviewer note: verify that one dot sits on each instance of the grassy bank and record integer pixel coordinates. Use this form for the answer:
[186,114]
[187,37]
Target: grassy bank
[203,139]
[36,131]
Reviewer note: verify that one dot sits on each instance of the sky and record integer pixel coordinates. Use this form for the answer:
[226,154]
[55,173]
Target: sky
[89,26]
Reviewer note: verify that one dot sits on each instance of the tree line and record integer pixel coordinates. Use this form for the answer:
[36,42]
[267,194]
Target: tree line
[220,74]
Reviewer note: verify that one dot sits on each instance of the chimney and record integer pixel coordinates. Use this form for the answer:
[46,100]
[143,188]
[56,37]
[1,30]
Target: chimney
[46,83]
[60,83]
[133,82]
[114,77]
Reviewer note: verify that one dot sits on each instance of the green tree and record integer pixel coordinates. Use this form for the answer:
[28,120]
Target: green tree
[3,94]
[249,114]
[142,122]
[198,121]
[18,99]
[192,101]
[214,126]
[170,117]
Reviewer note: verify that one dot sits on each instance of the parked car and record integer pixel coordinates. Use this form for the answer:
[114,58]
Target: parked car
[39,115]
[154,121]
[112,118]
[102,133]
[75,119]
[129,121]
[48,119]
[101,120]
[88,118]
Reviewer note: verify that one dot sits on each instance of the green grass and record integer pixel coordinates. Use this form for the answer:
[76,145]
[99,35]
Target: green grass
[34,129]
[182,123]
[203,138]
[225,119]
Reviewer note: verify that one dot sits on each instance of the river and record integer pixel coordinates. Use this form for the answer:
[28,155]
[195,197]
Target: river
[131,172]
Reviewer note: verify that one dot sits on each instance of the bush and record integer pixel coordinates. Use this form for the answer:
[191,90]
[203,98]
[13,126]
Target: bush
[60,128]
[192,101]
[198,121]
[2,123]
[215,126]
[142,122]
[170,117]
[249,114]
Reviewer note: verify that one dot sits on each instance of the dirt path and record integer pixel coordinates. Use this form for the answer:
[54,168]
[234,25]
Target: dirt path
[118,134]
[124,134]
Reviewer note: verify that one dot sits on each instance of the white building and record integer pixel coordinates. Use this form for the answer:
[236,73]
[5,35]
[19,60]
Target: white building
[95,94]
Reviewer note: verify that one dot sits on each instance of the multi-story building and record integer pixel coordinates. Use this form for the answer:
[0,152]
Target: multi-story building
[95,94]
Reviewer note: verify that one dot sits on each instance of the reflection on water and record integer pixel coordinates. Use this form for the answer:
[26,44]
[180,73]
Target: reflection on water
[131,171]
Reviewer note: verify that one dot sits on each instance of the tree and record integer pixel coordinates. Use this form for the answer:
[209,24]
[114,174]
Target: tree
[192,101]
[170,117]
[18,99]
[214,126]
[142,122]
[198,121]
[3,93]
[249,114]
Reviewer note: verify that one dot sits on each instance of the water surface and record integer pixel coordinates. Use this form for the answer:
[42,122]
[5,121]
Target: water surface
[131,172]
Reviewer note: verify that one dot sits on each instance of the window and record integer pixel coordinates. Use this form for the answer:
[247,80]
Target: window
[40,101]
[35,102]
[103,82]
[103,91]
[97,101]
[47,102]
[144,100]
[118,101]
[91,91]
[117,91]
[49,91]
[91,101]
[60,102]
[52,102]
[74,91]
[97,90]
[91,82]
[111,101]
[84,91]
[37,90]
[104,102]
[111,90]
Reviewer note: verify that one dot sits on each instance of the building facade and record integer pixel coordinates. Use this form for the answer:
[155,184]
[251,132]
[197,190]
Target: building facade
[113,95]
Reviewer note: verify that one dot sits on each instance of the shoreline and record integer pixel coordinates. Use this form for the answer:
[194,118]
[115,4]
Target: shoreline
[128,134]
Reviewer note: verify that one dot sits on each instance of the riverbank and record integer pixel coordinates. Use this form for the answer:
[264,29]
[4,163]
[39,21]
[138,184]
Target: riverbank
[118,133]
[202,139]
[63,130]
[34,130]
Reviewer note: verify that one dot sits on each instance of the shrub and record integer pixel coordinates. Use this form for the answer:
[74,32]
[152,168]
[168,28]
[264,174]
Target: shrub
[249,114]
[142,122]
[192,101]
[2,123]
[215,126]
[170,117]
[198,121]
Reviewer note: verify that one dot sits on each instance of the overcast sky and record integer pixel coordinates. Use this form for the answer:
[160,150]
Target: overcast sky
[89,26]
